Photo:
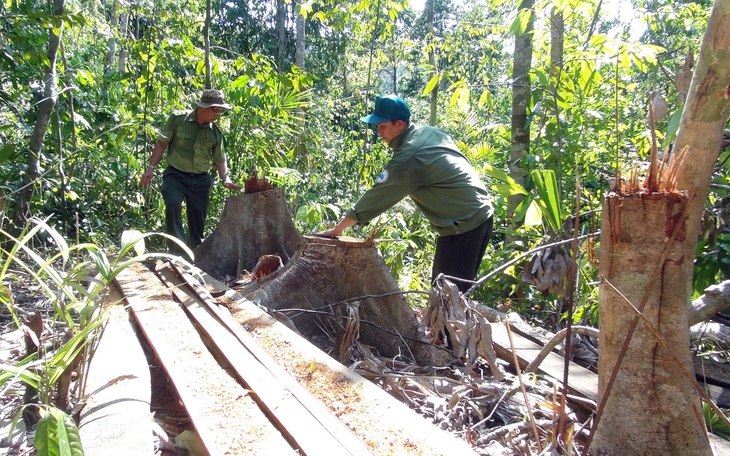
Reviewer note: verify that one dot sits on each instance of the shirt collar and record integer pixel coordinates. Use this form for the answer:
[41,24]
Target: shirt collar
[398,140]
[193,117]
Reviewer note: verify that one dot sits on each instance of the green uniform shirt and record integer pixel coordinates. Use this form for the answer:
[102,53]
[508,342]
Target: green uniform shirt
[191,147]
[427,166]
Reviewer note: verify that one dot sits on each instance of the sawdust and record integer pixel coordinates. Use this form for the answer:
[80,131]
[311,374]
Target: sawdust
[342,396]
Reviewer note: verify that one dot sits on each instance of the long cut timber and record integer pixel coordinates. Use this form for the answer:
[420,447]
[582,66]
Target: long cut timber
[386,425]
[581,380]
[312,433]
[210,403]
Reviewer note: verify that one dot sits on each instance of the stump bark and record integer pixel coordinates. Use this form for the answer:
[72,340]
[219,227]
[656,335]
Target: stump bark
[252,225]
[652,407]
[327,274]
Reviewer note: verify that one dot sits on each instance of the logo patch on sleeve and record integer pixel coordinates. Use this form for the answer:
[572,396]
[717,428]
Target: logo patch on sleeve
[382,177]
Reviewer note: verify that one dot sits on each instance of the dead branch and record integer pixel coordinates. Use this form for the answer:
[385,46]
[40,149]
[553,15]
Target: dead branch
[555,341]
[715,299]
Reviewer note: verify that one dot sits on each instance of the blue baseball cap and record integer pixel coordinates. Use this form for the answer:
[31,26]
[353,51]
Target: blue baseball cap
[389,107]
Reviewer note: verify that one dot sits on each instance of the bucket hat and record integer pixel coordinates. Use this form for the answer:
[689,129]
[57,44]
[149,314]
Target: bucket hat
[212,98]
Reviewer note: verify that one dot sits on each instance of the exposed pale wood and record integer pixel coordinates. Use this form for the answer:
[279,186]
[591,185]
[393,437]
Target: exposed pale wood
[314,431]
[582,381]
[386,425]
[252,225]
[117,394]
[323,275]
[210,403]
[316,407]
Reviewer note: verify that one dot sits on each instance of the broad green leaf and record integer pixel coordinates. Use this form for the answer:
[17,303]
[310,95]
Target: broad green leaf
[6,152]
[672,127]
[431,84]
[533,216]
[510,186]
[57,435]
[546,186]
[134,239]
[485,100]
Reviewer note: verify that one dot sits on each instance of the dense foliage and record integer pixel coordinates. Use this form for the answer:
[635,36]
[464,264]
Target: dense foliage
[123,66]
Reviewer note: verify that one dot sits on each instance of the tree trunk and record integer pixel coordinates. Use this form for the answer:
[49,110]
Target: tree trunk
[299,52]
[123,29]
[300,48]
[252,225]
[45,108]
[520,98]
[206,39]
[326,275]
[280,35]
[557,44]
[433,117]
[652,407]
[111,45]
[705,117]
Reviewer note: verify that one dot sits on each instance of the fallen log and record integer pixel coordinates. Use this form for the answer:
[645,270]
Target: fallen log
[225,416]
[313,429]
[386,425]
[327,274]
[252,225]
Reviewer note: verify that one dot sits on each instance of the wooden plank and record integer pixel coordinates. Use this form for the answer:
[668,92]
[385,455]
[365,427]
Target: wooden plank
[385,424]
[211,397]
[312,431]
[581,380]
[118,390]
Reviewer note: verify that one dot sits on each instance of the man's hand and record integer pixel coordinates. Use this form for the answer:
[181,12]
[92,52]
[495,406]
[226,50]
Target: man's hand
[337,230]
[147,177]
[232,186]
[329,233]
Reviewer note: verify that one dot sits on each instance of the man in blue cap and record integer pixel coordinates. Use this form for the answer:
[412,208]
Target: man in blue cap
[428,166]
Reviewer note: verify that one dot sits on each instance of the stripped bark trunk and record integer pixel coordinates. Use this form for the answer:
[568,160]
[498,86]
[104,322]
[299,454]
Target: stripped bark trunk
[324,276]
[651,405]
[252,225]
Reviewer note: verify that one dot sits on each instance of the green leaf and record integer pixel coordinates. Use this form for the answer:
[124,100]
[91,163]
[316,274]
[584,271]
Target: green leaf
[6,152]
[547,188]
[510,187]
[57,435]
[133,239]
[716,424]
[672,127]
[431,84]
[533,216]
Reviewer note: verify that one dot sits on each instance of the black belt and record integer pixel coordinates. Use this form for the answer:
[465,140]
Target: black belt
[186,173]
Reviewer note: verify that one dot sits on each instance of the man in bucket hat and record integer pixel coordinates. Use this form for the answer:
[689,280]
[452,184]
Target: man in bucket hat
[428,166]
[193,142]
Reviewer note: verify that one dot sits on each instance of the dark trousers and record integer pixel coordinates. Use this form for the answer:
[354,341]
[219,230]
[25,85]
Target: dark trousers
[461,254]
[194,191]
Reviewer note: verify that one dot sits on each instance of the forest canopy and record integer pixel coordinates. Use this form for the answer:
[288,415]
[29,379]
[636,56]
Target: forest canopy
[548,100]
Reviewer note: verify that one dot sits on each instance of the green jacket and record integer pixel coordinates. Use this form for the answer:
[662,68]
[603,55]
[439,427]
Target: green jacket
[191,147]
[428,166]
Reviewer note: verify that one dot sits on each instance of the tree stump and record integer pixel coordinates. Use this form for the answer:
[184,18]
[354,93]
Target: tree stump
[252,225]
[327,274]
[652,408]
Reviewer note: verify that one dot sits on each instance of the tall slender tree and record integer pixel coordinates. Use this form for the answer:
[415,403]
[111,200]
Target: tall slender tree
[521,89]
[49,95]
[433,116]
